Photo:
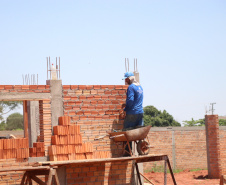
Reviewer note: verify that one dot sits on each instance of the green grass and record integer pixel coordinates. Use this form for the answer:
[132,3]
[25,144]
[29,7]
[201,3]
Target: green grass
[197,169]
[156,168]
[18,129]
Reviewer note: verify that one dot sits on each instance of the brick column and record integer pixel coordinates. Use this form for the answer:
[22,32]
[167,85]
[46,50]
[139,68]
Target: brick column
[213,146]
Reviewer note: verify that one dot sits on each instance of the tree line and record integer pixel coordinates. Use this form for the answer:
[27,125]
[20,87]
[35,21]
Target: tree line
[152,116]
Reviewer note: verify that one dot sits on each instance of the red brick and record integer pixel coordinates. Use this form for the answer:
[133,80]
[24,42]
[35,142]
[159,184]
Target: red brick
[66,87]
[33,87]
[74,86]
[118,86]
[89,87]
[41,87]
[96,87]
[82,97]
[8,87]
[81,87]
[108,92]
[16,87]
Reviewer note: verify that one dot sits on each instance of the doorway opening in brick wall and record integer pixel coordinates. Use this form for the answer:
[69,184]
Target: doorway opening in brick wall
[20,129]
[11,119]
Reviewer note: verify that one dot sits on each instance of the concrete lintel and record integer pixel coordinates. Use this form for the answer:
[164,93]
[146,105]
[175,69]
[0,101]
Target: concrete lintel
[37,159]
[15,96]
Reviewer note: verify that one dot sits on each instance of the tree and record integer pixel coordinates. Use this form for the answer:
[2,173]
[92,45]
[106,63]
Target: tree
[15,121]
[222,122]
[200,122]
[7,106]
[2,125]
[157,118]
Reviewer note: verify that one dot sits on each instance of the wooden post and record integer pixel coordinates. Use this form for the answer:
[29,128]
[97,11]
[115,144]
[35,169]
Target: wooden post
[25,119]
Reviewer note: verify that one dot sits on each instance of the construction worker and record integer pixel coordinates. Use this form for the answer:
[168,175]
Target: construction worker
[134,104]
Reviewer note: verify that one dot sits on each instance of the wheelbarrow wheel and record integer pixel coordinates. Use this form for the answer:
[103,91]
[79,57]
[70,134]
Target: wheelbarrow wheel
[143,147]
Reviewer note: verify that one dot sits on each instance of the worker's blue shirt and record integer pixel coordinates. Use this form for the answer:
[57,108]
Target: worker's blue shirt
[134,100]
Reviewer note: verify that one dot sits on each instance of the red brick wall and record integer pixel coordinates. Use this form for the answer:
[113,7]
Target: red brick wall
[185,147]
[44,107]
[222,138]
[45,129]
[97,109]
[100,174]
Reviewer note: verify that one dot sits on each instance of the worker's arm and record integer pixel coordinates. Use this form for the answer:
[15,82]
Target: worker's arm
[130,98]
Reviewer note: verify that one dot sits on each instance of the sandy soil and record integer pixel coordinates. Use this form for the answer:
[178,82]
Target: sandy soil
[183,178]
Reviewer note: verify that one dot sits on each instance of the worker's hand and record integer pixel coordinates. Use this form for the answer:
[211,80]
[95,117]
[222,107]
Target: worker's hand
[123,105]
[122,114]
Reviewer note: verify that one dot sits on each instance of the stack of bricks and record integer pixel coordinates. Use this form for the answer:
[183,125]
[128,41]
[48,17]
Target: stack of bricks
[38,150]
[14,148]
[67,143]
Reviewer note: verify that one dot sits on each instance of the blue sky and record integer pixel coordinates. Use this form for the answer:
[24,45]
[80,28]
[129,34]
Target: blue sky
[180,47]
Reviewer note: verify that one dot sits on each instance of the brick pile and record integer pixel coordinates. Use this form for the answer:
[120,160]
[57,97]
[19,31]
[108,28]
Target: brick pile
[38,150]
[14,148]
[67,143]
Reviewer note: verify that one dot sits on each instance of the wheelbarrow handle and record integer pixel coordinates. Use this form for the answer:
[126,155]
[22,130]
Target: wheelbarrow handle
[111,137]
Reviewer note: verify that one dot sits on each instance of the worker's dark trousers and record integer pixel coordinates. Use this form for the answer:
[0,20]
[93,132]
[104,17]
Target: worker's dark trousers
[132,121]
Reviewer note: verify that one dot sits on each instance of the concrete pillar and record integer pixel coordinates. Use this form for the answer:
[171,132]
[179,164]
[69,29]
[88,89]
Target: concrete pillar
[56,100]
[33,121]
[213,146]
[137,76]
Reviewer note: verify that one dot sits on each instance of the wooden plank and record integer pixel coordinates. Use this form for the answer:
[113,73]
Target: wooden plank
[39,172]
[25,168]
[147,178]
[56,178]
[138,159]
[50,178]
[36,179]
[23,179]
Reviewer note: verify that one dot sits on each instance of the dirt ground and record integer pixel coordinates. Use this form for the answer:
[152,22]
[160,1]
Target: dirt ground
[183,178]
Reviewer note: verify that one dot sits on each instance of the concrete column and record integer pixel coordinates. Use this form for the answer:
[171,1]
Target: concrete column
[33,121]
[173,150]
[56,100]
[137,76]
[213,146]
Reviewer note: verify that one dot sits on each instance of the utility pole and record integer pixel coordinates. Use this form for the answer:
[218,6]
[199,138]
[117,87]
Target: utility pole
[212,107]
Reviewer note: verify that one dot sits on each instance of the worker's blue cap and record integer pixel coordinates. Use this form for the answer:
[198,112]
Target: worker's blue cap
[128,74]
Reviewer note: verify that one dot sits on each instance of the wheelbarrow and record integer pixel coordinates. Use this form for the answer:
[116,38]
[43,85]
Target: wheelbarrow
[138,135]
